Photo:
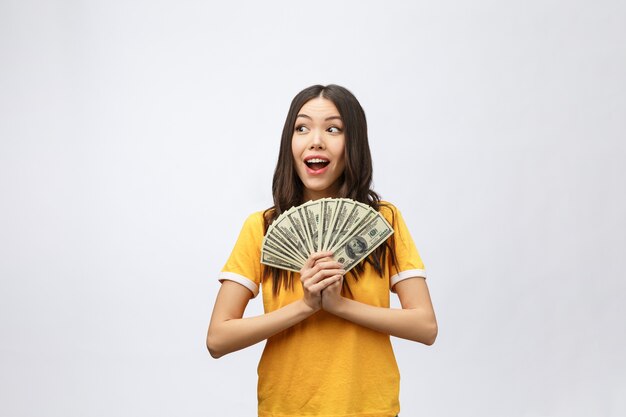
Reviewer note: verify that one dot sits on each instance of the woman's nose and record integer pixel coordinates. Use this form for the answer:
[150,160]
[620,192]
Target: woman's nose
[317,141]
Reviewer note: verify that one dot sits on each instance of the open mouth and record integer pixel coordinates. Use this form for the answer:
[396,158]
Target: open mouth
[316,163]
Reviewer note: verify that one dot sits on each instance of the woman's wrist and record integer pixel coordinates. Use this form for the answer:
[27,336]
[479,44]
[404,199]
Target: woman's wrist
[308,309]
[333,304]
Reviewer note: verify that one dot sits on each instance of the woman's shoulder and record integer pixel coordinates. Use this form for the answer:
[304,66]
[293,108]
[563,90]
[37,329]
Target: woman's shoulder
[390,212]
[384,204]
[254,223]
[387,209]
[257,218]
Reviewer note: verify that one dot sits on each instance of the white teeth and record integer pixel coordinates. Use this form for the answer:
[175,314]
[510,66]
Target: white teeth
[316,161]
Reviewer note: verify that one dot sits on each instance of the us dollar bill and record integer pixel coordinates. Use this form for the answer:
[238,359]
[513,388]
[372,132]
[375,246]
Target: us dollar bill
[361,217]
[272,259]
[340,214]
[297,224]
[357,214]
[348,228]
[311,212]
[363,242]
[278,244]
[283,230]
[327,207]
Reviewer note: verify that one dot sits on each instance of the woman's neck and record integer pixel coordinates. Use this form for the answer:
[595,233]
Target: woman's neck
[332,192]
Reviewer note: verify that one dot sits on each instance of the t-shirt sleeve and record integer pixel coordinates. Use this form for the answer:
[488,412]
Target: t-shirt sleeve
[244,264]
[408,261]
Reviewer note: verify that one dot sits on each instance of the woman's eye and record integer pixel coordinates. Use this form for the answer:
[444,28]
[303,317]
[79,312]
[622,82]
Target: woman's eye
[301,129]
[334,129]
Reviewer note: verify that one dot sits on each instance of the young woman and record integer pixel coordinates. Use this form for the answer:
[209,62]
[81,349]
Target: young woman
[328,350]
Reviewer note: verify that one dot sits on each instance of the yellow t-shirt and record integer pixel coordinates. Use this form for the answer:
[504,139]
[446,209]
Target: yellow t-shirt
[325,365]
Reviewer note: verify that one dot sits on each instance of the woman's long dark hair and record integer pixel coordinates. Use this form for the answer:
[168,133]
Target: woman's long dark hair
[355,182]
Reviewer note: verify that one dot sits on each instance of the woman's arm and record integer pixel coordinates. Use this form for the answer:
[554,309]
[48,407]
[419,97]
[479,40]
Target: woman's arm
[229,332]
[414,321]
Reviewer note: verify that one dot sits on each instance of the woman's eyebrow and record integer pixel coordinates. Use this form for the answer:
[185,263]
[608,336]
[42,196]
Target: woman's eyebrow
[326,119]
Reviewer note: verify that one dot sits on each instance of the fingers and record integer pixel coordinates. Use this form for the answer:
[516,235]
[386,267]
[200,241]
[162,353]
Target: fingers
[321,275]
[320,271]
[314,257]
[318,278]
[319,267]
[334,286]
[337,283]
[320,286]
[325,259]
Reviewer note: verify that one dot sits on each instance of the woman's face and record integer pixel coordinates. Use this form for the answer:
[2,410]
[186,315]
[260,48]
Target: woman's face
[318,144]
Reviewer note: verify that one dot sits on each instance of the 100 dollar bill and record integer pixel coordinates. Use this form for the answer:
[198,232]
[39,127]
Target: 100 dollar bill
[363,242]
[348,228]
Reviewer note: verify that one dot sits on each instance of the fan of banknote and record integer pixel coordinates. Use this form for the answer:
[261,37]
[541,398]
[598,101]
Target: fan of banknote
[349,229]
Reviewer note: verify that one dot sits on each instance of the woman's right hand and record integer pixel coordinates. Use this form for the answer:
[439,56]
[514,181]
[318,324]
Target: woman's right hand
[319,271]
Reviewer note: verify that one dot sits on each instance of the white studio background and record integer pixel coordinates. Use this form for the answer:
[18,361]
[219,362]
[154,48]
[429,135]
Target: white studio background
[136,136]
